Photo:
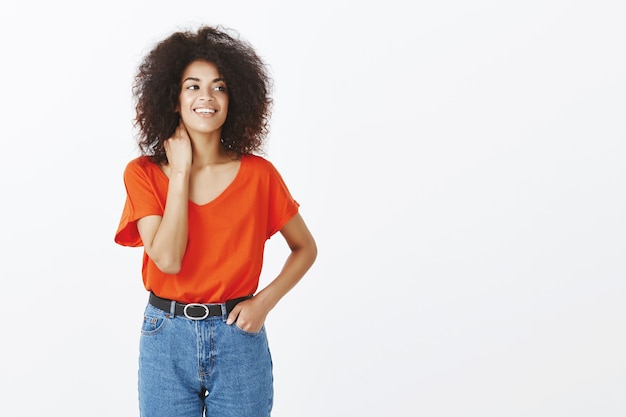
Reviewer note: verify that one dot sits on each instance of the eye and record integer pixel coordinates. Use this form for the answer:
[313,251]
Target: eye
[219,88]
[192,87]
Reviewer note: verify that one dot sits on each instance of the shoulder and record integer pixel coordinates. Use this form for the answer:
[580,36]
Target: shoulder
[259,163]
[140,167]
[139,164]
[257,160]
[263,170]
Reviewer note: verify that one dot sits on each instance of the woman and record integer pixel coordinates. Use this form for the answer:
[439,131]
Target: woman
[203,204]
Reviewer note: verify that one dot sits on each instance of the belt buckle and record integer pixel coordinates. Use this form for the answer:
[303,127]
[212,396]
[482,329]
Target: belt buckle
[206,311]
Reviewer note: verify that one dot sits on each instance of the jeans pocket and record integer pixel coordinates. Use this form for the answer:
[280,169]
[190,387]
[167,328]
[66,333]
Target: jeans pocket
[153,321]
[247,333]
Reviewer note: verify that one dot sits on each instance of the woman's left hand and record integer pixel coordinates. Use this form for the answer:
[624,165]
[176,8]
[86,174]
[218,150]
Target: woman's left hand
[249,315]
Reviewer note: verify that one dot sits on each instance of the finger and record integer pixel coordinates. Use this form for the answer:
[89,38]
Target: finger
[232,317]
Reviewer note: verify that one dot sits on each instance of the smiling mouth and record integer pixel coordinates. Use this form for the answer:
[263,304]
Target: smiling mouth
[205,111]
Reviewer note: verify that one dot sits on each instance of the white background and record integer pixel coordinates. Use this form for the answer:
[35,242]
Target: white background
[460,163]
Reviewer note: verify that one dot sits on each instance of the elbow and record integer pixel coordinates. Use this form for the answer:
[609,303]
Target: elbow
[306,252]
[170,269]
[168,262]
[168,266]
[310,249]
[313,251]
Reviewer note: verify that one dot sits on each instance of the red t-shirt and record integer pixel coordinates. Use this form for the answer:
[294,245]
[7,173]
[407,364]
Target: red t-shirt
[226,237]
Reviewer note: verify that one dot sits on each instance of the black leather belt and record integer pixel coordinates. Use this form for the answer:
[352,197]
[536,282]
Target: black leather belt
[194,311]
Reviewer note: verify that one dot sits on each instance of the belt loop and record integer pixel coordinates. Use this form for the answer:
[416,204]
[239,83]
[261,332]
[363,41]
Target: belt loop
[224,311]
[173,308]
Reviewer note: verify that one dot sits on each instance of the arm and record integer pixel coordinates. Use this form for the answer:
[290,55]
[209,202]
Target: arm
[250,314]
[165,237]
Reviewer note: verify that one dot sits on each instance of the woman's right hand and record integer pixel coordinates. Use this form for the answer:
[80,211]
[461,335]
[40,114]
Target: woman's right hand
[178,149]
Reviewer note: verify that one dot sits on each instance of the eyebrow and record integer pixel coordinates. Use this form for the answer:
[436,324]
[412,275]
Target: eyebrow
[217,80]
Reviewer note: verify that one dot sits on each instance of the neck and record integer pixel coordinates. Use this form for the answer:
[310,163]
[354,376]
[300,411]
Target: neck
[209,150]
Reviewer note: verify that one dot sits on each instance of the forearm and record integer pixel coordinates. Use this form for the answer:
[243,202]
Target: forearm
[295,267]
[251,314]
[170,240]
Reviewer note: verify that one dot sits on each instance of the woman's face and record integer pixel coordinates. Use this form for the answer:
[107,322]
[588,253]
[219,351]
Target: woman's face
[203,99]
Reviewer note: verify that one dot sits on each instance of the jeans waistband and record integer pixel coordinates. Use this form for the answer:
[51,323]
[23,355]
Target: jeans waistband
[194,311]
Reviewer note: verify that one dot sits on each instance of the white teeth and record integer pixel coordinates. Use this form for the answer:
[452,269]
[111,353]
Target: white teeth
[204,111]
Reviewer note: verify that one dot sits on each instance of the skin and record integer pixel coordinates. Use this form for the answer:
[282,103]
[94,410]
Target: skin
[199,169]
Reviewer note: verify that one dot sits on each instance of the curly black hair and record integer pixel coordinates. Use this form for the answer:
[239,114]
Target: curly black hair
[157,86]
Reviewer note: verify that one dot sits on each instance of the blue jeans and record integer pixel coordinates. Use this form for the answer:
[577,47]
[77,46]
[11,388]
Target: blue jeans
[190,367]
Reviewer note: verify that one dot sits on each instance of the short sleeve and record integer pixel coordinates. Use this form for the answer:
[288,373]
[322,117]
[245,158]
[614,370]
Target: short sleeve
[142,200]
[282,206]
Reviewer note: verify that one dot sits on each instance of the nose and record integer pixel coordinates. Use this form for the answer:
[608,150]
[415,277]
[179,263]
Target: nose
[207,96]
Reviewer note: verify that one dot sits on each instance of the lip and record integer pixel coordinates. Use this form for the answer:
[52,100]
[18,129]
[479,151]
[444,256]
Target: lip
[205,111]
